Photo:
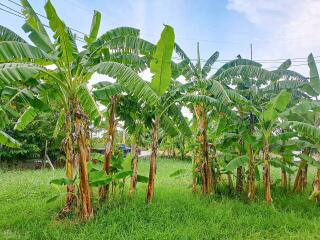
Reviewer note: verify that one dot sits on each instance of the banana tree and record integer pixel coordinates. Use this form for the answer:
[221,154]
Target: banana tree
[70,75]
[200,87]
[127,109]
[15,83]
[110,94]
[306,123]
[152,94]
[257,86]
[135,119]
[267,120]
[306,111]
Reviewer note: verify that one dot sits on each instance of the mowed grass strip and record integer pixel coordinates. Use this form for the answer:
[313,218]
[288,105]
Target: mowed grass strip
[175,214]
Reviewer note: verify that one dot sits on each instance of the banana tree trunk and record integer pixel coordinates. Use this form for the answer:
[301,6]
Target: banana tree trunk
[266,172]
[104,190]
[251,163]
[69,151]
[239,180]
[251,175]
[81,130]
[284,181]
[133,181]
[206,171]
[239,183]
[305,177]
[230,183]
[316,186]
[196,166]
[300,181]
[153,159]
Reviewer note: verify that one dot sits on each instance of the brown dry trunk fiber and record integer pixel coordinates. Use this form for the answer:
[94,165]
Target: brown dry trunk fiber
[300,181]
[305,177]
[251,176]
[70,198]
[133,181]
[266,172]
[297,181]
[239,183]
[81,130]
[104,190]
[153,159]
[316,186]
[69,151]
[284,181]
[207,174]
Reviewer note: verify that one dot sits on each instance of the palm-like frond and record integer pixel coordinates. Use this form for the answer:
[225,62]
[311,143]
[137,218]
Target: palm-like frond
[27,117]
[181,69]
[160,65]
[168,125]
[305,129]
[88,104]
[8,35]
[116,33]
[95,25]
[124,39]
[59,123]
[276,105]
[260,75]
[285,65]
[128,79]
[236,162]
[8,141]
[209,102]
[64,41]
[184,56]
[285,84]
[11,51]
[235,63]
[33,26]
[180,121]
[208,65]
[24,95]
[218,91]
[106,92]
[314,75]
[15,72]
[132,60]
[284,74]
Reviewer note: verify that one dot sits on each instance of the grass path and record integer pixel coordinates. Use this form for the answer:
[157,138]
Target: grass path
[175,214]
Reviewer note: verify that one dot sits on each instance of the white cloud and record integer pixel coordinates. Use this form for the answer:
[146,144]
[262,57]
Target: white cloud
[258,11]
[291,26]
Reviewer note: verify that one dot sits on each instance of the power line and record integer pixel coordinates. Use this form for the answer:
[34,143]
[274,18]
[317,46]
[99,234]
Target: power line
[17,14]
[4,10]
[293,65]
[293,60]
[177,37]
[39,14]
[279,60]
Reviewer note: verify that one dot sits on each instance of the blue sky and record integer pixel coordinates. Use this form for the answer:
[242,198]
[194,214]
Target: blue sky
[277,28]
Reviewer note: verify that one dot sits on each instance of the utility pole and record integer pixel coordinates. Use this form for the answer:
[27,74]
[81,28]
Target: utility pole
[251,51]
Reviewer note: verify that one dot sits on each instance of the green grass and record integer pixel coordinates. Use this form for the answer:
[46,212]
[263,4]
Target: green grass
[175,213]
